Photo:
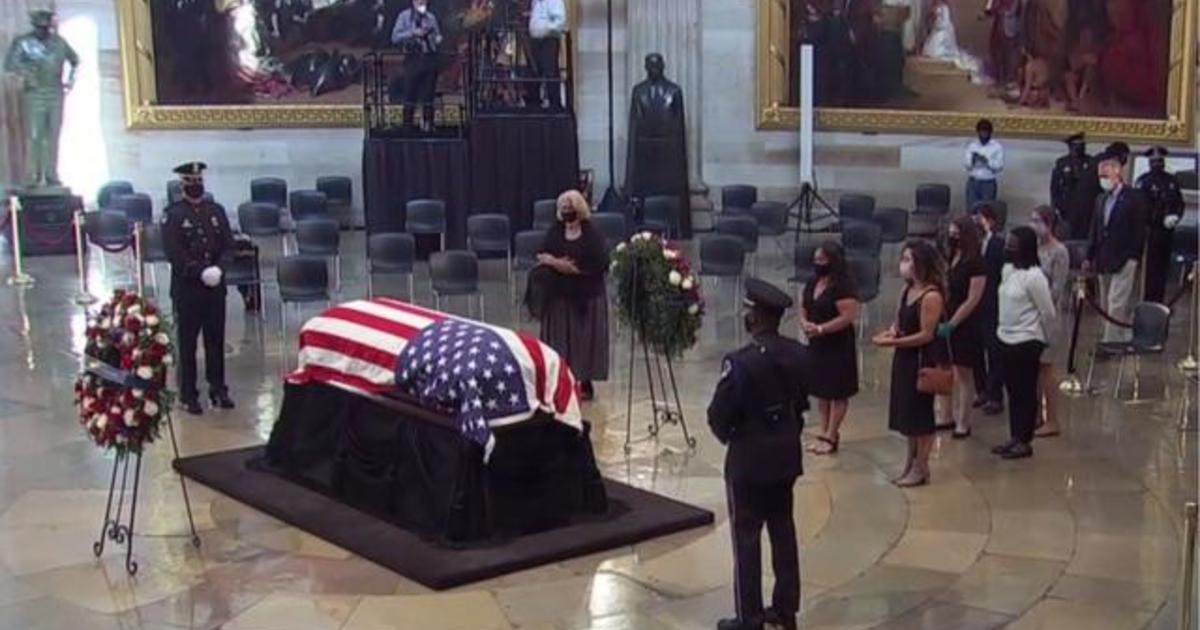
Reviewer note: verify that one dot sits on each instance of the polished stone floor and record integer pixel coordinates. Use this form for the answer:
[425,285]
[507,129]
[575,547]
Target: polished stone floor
[1087,534]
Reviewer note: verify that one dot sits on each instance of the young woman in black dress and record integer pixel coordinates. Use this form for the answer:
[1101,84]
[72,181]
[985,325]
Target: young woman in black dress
[910,412]
[966,280]
[828,311]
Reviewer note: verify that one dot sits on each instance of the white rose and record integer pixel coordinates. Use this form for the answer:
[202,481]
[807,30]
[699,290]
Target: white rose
[688,283]
[674,278]
[152,320]
[114,409]
[145,372]
[127,339]
[136,308]
[151,408]
[88,401]
[670,254]
[620,246]
[105,323]
[167,359]
[162,339]
[647,236]
[128,417]
[102,422]
[693,309]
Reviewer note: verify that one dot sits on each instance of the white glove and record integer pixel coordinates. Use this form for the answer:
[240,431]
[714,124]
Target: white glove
[1170,221]
[211,276]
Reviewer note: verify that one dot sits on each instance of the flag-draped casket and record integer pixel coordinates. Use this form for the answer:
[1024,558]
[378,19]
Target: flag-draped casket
[454,428]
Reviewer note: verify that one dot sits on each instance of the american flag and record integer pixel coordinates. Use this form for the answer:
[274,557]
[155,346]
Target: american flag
[484,376]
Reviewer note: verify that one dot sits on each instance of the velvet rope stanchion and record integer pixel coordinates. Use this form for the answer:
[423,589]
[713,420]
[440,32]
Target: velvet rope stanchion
[1189,364]
[18,278]
[83,297]
[1191,513]
[1071,385]
[139,264]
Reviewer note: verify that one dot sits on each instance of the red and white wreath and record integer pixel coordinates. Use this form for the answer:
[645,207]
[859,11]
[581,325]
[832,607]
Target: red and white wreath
[124,409]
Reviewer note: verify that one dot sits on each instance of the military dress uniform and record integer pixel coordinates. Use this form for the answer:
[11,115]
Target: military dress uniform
[1164,198]
[757,412]
[196,236]
[1074,185]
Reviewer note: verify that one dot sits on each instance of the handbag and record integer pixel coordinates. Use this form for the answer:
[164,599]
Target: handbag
[935,379]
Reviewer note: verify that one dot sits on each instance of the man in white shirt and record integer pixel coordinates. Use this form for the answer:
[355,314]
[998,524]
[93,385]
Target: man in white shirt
[547,24]
[984,160]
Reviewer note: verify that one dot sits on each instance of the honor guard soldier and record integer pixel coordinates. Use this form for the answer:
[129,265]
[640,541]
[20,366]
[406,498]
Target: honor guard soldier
[1074,186]
[196,236]
[757,411]
[1165,200]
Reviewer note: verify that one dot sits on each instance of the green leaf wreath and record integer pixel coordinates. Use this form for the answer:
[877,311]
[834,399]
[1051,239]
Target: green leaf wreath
[657,293]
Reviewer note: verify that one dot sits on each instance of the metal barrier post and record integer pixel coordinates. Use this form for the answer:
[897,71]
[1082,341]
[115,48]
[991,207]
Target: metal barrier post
[139,264]
[18,277]
[1187,602]
[1189,363]
[1071,385]
[83,297]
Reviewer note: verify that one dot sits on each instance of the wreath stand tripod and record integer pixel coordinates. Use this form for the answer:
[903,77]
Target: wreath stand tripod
[113,528]
[804,204]
[663,412]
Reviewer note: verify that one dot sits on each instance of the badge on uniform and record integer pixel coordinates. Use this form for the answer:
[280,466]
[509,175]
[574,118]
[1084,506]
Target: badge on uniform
[726,368]
[187,223]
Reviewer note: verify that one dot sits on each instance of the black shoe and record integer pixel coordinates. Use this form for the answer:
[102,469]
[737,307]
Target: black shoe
[221,400]
[587,391]
[961,435]
[979,402]
[780,620]
[737,624]
[192,406]
[1001,449]
[993,407]
[1019,450]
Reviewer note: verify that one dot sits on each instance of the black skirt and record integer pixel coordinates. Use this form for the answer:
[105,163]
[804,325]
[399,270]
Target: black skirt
[577,328]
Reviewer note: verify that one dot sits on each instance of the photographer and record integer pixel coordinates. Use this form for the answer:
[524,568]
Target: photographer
[418,33]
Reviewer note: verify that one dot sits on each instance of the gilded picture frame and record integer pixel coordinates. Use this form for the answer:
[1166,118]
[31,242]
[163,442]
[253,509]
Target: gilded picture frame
[773,42]
[143,111]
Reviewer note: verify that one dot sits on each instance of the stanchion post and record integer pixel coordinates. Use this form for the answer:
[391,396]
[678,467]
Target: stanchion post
[139,264]
[1189,363]
[83,297]
[1071,385]
[1187,602]
[18,277]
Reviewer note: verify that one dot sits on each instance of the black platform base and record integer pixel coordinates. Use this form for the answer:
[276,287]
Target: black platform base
[46,227]
[634,515]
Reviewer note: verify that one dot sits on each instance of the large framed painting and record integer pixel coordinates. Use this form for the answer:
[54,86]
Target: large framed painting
[1113,68]
[272,63]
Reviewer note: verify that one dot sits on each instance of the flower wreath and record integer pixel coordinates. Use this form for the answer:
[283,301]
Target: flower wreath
[121,393]
[657,293]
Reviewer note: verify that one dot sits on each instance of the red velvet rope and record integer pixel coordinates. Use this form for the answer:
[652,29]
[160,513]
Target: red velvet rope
[112,249]
[45,237]
[1170,304]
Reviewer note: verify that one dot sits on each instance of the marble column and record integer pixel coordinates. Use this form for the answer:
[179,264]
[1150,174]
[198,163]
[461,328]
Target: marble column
[672,29]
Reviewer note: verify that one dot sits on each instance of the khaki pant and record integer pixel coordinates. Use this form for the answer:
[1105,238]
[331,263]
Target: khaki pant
[1116,297]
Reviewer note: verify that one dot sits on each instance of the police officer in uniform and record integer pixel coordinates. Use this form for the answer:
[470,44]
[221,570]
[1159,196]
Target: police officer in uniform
[1074,186]
[758,412]
[196,236]
[1165,200]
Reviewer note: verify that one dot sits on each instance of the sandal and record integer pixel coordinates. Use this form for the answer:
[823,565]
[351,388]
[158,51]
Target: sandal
[831,444]
[961,435]
[1043,432]
[944,426]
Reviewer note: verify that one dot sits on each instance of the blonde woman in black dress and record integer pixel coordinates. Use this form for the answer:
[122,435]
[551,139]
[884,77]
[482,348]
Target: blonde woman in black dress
[828,311]
[913,336]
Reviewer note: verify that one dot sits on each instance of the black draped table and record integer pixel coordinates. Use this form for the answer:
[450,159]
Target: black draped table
[504,164]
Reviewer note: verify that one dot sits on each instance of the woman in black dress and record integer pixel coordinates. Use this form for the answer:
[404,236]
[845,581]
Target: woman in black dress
[966,280]
[910,412]
[828,311]
[575,312]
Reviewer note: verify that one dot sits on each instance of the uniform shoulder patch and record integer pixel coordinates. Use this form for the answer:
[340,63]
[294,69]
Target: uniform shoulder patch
[726,367]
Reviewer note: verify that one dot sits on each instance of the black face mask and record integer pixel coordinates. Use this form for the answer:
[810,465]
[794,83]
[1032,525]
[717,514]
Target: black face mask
[952,242]
[748,322]
[570,217]
[821,269]
[193,191]
[1010,256]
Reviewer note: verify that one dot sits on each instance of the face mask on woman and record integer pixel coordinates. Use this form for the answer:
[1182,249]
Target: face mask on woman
[1040,229]
[906,270]
[570,216]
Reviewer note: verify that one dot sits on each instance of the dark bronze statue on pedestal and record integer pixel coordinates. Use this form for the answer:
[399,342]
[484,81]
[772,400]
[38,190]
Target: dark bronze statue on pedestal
[657,159]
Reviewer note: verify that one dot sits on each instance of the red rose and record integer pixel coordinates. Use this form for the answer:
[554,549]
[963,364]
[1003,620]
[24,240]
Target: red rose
[133,324]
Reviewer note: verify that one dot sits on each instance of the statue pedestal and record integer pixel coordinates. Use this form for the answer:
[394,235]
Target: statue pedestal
[46,220]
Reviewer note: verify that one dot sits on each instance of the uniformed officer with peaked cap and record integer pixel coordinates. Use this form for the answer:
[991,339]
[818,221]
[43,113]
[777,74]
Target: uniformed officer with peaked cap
[757,411]
[1074,185]
[196,236]
[1164,198]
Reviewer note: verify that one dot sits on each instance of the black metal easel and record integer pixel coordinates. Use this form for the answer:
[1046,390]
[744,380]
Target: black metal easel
[662,411]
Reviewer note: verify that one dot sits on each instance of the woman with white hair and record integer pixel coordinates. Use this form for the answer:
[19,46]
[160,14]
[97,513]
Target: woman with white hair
[574,314]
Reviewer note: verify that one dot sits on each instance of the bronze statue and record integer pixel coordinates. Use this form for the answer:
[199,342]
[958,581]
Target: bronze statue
[37,58]
[657,156]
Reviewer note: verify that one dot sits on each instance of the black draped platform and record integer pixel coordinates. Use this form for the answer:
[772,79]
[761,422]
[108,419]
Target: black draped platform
[503,164]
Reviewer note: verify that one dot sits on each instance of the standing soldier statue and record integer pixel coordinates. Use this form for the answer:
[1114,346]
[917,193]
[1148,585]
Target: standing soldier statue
[37,58]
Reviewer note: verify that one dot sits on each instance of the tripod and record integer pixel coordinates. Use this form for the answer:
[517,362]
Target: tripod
[804,203]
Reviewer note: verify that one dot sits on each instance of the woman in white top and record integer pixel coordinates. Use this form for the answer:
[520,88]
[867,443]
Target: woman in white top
[1056,263]
[1026,319]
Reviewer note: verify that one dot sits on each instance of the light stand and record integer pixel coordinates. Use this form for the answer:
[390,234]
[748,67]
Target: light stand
[809,197]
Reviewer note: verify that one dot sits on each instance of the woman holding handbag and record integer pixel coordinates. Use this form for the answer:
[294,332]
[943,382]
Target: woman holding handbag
[915,375]
[1027,312]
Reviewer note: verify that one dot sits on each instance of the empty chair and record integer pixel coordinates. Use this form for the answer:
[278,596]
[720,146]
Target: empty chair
[999,207]
[545,214]
[320,237]
[339,192]
[742,226]
[392,253]
[893,224]
[137,206]
[269,190]
[856,207]
[259,219]
[862,239]
[865,273]
[1187,179]
[301,279]
[111,231]
[153,251]
[108,191]
[426,216]
[526,245]
[1185,243]
[934,198]
[243,271]
[1151,322]
[455,272]
[723,256]
[738,197]
[802,272]
[772,217]
[491,233]
[612,226]
[308,204]
[662,211]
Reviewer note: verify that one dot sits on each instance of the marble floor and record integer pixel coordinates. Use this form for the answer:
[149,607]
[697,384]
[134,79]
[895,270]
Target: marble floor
[1087,534]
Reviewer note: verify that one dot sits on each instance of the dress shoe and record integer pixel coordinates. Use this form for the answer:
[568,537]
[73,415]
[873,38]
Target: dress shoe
[1001,449]
[780,620]
[1019,450]
[191,406]
[738,624]
[221,400]
[993,407]
[979,402]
